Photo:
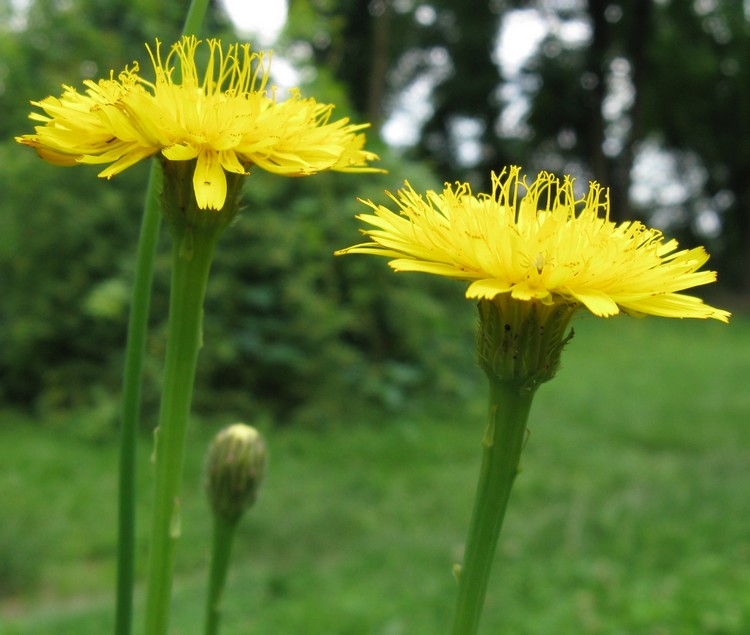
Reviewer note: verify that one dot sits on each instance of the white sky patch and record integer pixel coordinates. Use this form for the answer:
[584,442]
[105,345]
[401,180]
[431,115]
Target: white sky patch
[283,75]
[655,179]
[402,129]
[261,18]
[261,22]
[521,33]
[616,107]
[18,15]
[672,188]
[413,106]
[469,131]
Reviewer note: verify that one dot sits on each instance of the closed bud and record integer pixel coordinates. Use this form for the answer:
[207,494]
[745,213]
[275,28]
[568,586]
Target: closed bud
[234,470]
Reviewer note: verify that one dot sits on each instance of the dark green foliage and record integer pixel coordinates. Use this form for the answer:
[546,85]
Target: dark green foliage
[65,246]
[66,239]
[288,328]
[307,335]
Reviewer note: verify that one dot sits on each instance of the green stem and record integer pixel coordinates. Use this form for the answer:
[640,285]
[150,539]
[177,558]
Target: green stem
[220,554]
[131,390]
[194,18]
[131,400]
[192,255]
[501,454]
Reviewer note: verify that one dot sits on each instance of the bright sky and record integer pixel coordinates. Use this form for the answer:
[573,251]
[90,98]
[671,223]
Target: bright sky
[264,18]
[520,35]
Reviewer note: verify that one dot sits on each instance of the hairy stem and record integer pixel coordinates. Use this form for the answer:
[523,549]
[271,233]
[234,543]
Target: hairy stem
[131,402]
[189,280]
[220,555]
[131,390]
[501,454]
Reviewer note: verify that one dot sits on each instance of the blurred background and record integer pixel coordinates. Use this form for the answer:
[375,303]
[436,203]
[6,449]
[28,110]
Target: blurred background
[344,363]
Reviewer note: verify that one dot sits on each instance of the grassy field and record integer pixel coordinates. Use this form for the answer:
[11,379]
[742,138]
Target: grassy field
[631,515]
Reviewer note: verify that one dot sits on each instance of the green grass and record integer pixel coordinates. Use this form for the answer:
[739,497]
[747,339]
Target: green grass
[631,515]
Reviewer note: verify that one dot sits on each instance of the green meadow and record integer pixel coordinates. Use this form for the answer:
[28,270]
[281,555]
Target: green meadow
[631,515]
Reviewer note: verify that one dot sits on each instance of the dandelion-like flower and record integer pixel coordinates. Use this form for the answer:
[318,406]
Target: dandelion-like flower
[533,254]
[226,120]
[546,246]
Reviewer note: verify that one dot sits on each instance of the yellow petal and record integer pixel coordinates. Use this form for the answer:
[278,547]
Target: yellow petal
[525,291]
[597,302]
[438,268]
[230,162]
[677,305]
[180,152]
[209,181]
[488,288]
[128,159]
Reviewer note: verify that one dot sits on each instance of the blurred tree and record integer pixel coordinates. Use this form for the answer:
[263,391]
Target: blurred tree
[467,106]
[585,106]
[66,240]
[608,79]
[701,107]
[381,48]
[293,330]
[674,74]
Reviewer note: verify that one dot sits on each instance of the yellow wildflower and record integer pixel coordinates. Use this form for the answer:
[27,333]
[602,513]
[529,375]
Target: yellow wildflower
[545,246]
[227,121]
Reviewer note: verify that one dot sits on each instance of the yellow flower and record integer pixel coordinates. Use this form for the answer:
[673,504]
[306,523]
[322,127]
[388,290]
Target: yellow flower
[227,121]
[546,246]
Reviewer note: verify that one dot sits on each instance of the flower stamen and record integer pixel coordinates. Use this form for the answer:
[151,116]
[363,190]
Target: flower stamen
[546,245]
[224,118]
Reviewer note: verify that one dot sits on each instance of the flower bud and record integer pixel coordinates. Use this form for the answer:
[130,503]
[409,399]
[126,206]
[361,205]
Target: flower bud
[235,465]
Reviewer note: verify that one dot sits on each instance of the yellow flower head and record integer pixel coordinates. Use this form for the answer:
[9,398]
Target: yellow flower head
[545,245]
[226,120]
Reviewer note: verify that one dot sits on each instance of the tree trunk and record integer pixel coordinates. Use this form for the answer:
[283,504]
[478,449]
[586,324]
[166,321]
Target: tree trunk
[379,63]
[637,42]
